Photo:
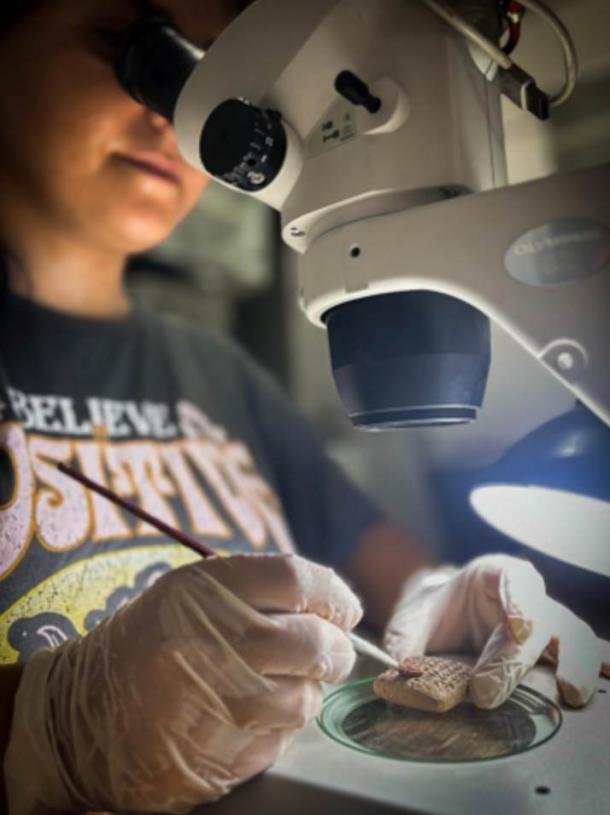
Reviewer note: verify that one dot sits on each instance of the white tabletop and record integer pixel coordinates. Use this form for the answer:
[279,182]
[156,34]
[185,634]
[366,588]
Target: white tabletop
[567,775]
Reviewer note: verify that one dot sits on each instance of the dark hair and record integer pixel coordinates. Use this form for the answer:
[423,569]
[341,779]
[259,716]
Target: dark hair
[12,10]
[10,13]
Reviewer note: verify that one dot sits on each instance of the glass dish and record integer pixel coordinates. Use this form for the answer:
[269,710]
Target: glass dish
[355,717]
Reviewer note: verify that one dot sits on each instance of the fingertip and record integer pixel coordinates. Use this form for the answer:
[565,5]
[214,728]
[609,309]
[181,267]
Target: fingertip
[353,611]
[520,628]
[574,696]
[348,667]
[337,655]
[336,668]
[313,701]
[320,590]
[346,609]
[485,694]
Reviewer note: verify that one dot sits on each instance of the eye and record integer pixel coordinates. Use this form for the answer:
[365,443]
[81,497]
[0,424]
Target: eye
[104,37]
[108,37]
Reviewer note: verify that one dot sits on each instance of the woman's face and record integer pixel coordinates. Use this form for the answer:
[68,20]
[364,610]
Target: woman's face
[77,155]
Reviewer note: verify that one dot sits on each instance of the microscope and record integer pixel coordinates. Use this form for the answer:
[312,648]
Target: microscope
[374,128]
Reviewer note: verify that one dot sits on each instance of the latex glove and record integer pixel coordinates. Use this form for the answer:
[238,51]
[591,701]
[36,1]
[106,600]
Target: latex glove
[193,687]
[496,608]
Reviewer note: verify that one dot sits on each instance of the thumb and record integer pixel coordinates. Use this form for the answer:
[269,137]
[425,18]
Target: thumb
[503,664]
[523,598]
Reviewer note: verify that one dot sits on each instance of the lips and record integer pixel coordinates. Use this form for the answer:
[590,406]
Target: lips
[155,163]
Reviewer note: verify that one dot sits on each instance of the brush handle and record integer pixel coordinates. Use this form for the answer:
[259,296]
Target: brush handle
[186,540]
[368,649]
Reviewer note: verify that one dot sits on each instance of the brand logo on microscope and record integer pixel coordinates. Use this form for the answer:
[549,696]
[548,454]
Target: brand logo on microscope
[559,252]
[534,246]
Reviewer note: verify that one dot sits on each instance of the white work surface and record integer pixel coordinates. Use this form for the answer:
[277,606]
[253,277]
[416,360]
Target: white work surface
[320,776]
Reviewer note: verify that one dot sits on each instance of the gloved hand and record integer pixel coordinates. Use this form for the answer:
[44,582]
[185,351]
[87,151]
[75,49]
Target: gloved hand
[496,608]
[193,687]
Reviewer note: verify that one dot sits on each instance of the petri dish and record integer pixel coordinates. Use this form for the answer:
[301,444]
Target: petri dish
[355,717]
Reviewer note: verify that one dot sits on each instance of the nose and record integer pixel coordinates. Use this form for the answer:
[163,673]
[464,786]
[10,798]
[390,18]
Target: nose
[156,121]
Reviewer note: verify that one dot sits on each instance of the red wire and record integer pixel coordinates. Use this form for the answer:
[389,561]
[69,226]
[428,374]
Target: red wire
[514,14]
[514,35]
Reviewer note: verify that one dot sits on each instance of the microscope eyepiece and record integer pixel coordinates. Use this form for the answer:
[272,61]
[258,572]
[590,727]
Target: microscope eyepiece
[240,144]
[153,62]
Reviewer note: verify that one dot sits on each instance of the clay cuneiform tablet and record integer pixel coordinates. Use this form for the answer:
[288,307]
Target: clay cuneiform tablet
[433,684]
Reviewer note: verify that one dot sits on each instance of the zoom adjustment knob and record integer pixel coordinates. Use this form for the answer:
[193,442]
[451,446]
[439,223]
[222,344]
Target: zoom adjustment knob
[243,145]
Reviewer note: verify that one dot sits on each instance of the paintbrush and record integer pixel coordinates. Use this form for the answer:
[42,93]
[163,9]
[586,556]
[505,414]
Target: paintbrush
[362,646]
[186,540]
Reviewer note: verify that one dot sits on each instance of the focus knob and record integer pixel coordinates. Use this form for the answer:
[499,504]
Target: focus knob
[243,145]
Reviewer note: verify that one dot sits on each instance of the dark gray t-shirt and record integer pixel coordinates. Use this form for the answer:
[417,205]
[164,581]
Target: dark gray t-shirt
[173,418]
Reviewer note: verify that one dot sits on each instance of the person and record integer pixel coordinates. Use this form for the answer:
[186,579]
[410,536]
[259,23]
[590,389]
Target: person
[135,676]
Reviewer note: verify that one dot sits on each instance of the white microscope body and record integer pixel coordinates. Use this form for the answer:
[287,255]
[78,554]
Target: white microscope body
[409,195]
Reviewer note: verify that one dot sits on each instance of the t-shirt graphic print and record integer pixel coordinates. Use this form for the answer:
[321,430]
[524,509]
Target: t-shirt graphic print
[171,417]
[91,556]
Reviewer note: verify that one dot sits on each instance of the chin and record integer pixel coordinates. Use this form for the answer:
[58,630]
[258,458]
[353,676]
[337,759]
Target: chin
[135,234]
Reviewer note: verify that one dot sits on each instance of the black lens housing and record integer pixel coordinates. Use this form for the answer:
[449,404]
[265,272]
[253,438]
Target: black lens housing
[409,359]
[153,62]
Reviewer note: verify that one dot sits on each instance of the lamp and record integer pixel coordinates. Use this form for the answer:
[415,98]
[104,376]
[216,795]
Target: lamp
[551,491]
